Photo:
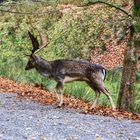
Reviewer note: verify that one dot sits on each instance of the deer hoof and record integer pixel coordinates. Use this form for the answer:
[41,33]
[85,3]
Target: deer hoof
[91,108]
[60,105]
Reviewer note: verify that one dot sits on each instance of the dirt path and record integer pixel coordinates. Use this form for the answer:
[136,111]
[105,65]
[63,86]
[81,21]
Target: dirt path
[26,120]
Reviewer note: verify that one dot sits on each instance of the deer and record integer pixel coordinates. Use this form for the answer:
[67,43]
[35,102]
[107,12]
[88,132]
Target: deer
[67,70]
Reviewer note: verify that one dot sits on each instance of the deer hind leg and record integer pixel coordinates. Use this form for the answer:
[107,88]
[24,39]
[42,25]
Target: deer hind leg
[97,95]
[59,89]
[107,93]
[98,87]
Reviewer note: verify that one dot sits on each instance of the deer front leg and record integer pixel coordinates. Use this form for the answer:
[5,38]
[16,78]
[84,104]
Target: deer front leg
[58,97]
[97,95]
[59,89]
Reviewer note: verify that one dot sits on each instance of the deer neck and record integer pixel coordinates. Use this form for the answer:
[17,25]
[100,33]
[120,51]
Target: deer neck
[43,66]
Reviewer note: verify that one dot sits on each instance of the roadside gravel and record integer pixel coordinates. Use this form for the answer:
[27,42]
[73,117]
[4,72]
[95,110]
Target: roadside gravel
[25,120]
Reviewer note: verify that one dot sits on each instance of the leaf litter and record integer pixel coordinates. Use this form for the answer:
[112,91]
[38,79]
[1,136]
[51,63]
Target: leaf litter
[38,94]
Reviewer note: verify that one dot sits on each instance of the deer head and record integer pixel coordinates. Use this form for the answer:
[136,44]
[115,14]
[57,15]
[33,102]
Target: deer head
[36,48]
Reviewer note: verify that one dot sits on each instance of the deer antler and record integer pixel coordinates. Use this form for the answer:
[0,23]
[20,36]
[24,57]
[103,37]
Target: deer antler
[43,41]
[34,42]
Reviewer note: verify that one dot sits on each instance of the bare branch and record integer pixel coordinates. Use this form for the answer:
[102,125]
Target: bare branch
[110,5]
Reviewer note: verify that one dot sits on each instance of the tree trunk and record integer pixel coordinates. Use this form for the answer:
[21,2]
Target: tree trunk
[126,94]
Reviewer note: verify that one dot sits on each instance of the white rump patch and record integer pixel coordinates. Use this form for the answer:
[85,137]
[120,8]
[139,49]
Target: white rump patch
[104,73]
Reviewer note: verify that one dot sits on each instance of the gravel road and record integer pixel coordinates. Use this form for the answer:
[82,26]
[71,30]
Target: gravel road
[25,120]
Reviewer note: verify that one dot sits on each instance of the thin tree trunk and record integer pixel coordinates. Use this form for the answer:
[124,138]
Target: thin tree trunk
[126,94]
[127,87]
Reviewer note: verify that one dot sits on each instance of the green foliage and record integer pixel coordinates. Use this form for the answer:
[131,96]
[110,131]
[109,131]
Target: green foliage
[73,36]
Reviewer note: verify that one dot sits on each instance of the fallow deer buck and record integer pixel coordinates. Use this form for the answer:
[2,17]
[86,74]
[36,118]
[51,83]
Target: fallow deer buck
[64,70]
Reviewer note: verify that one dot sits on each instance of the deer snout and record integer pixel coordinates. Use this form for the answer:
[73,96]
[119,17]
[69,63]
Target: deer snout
[29,66]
